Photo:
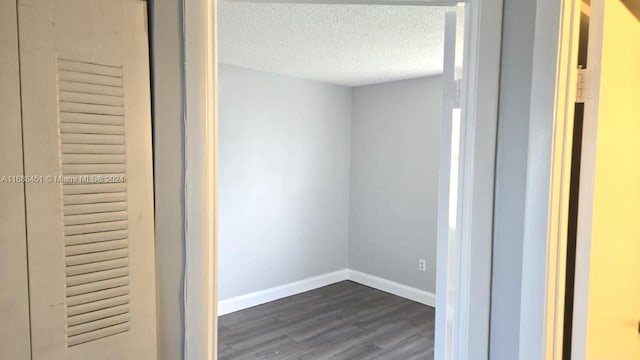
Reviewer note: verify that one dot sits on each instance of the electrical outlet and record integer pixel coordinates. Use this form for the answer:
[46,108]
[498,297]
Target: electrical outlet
[422,265]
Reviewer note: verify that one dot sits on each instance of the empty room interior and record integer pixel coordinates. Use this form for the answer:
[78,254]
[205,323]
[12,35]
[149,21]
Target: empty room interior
[329,158]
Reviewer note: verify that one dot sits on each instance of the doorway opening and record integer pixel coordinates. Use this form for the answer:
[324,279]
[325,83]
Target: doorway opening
[463,297]
[339,172]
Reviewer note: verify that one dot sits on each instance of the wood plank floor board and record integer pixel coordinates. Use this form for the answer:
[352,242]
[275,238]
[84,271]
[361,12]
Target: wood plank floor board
[274,308]
[410,348]
[380,318]
[281,328]
[246,335]
[250,352]
[343,321]
[358,352]
[389,335]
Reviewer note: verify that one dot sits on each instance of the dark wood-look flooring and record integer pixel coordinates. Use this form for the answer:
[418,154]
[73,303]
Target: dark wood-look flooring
[341,321]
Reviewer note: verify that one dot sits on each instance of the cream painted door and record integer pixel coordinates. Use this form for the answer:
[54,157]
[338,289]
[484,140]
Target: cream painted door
[89,200]
[14,292]
[611,173]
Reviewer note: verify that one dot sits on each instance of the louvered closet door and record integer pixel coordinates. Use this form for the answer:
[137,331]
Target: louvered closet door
[87,145]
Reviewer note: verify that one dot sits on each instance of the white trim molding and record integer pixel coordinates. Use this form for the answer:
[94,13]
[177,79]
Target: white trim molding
[463,278]
[267,295]
[200,127]
[392,287]
[260,297]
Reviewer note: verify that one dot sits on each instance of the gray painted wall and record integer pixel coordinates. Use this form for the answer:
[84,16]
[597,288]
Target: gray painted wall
[284,152]
[394,180]
[511,171]
[168,147]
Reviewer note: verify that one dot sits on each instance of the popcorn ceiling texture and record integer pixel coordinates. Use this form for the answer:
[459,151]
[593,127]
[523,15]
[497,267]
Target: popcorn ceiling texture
[349,45]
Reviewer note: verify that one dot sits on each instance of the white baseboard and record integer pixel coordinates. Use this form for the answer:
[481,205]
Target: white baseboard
[264,296]
[407,292]
[275,293]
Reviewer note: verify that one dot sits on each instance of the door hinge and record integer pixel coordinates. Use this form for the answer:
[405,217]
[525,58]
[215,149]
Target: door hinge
[581,89]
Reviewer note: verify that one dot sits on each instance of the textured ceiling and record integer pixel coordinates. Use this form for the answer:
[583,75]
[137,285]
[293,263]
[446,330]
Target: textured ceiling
[343,44]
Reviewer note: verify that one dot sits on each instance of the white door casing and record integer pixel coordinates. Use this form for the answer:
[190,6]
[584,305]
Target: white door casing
[87,150]
[448,188]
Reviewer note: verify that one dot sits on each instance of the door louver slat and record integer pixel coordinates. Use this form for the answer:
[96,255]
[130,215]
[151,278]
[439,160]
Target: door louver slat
[97,266]
[87,209]
[95,247]
[97,305]
[81,219]
[98,334]
[91,119]
[97,325]
[82,128]
[98,315]
[97,296]
[94,198]
[96,99]
[96,237]
[97,276]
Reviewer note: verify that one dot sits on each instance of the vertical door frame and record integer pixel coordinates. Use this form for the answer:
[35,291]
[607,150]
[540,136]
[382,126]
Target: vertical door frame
[553,98]
[200,71]
[481,88]
[444,275]
[587,178]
